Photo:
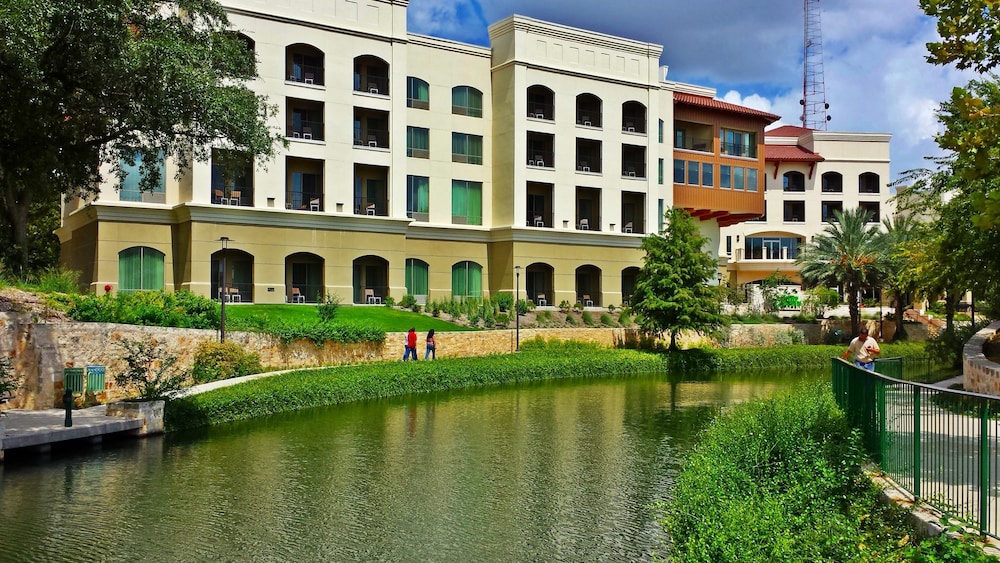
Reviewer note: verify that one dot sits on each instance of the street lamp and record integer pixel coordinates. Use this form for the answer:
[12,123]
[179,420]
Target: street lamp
[517,310]
[223,290]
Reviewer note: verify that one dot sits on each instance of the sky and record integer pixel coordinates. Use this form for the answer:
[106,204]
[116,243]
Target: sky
[876,76]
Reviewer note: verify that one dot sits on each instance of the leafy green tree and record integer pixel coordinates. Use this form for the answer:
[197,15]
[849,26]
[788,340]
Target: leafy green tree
[847,254]
[899,280]
[969,31]
[671,291]
[89,84]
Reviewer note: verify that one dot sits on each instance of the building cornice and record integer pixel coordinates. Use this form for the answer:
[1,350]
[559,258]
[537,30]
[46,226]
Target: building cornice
[566,33]
[255,14]
[566,237]
[448,45]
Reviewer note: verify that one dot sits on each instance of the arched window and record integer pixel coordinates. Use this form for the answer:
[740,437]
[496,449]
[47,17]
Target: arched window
[634,117]
[794,182]
[467,280]
[140,268]
[466,100]
[418,93]
[868,183]
[588,110]
[541,102]
[416,276]
[833,182]
[371,75]
[304,64]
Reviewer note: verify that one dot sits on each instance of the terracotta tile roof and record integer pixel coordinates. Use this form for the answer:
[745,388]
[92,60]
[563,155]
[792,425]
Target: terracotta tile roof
[790,153]
[706,102]
[787,131]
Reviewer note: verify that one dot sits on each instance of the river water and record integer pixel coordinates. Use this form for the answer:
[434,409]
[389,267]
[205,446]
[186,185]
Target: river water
[554,471]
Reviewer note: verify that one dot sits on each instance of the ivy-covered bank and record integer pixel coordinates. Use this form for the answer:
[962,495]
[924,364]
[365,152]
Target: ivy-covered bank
[537,361]
[331,386]
[781,480]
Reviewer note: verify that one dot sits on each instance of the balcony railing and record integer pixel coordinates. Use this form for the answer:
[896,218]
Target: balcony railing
[694,144]
[633,169]
[739,149]
[544,159]
[374,138]
[304,201]
[541,111]
[589,119]
[371,84]
[307,130]
[306,74]
[364,206]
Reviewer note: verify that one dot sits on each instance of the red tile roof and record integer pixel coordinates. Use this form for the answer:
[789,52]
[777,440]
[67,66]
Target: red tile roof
[790,153]
[787,131]
[711,103]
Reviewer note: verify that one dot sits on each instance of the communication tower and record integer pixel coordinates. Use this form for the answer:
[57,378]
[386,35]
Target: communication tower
[813,100]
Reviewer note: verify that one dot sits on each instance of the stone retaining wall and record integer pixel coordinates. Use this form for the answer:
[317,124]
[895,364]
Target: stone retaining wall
[979,374]
[42,350]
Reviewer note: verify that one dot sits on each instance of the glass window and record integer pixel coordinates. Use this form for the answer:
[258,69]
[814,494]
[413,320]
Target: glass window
[417,197]
[418,142]
[130,188]
[466,100]
[232,177]
[417,93]
[140,268]
[659,170]
[466,148]
[738,143]
[659,128]
[707,171]
[659,212]
[416,276]
[725,176]
[751,179]
[678,171]
[467,280]
[692,172]
[466,202]
[738,177]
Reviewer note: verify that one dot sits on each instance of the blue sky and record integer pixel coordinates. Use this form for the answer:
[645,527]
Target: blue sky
[877,79]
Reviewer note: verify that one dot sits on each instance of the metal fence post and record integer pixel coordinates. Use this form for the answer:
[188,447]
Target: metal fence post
[916,443]
[984,467]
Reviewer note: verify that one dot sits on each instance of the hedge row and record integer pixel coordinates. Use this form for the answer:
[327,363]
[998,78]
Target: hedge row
[781,480]
[779,357]
[331,386]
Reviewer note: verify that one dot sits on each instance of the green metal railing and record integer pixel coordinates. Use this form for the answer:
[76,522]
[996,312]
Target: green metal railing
[940,445]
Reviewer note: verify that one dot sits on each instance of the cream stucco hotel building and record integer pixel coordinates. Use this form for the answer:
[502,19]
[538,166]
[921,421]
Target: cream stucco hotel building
[422,166]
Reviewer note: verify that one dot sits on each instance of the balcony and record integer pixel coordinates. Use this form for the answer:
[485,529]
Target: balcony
[372,138]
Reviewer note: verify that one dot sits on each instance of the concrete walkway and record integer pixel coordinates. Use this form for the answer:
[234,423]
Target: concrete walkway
[24,428]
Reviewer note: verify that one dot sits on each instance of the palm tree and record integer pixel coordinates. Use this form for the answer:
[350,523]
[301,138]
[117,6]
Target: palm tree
[900,275]
[849,254]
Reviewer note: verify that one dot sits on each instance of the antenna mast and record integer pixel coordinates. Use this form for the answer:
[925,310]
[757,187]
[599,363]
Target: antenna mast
[813,100]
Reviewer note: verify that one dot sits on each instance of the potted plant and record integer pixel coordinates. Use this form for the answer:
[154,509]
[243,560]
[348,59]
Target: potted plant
[151,374]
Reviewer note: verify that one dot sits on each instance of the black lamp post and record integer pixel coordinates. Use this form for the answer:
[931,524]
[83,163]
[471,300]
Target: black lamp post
[517,310]
[223,290]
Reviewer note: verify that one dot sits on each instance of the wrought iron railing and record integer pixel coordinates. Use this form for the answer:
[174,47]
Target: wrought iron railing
[940,445]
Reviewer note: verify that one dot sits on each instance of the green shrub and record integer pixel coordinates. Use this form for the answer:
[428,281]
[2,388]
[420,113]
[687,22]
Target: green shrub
[408,301]
[504,301]
[503,320]
[327,308]
[149,370]
[523,306]
[571,320]
[9,382]
[587,318]
[606,320]
[624,319]
[223,360]
[58,281]
[389,301]
[151,308]
[788,301]
[564,306]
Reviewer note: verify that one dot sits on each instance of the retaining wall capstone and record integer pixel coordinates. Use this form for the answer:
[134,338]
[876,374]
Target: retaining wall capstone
[979,374]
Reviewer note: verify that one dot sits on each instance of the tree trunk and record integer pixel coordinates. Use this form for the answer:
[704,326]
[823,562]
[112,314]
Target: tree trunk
[16,204]
[900,305]
[852,306]
[673,340]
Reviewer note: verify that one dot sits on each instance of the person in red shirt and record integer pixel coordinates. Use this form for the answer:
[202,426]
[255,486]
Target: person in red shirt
[411,345]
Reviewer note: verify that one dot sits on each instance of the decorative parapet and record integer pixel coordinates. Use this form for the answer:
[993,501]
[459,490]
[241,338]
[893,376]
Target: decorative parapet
[979,374]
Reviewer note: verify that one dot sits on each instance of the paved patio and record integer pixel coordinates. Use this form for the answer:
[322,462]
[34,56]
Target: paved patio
[24,428]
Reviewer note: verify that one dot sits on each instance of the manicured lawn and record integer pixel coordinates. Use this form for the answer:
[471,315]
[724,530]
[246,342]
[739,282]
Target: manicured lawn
[389,320]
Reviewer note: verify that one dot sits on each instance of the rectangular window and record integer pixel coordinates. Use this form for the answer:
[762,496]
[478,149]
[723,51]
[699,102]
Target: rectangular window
[707,171]
[466,202]
[659,126]
[729,244]
[693,172]
[725,178]
[659,170]
[738,143]
[466,148]
[751,179]
[130,189]
[678,171]
[418,142]
[417,197]
[738,177]
[659,215]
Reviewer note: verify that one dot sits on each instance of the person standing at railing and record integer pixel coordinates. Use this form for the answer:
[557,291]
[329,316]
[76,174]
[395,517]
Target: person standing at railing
[864,348]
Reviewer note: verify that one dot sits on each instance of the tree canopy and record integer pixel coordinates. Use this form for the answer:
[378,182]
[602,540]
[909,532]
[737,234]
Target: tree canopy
[90,84]
[672,293]
[969,31]
[846,254]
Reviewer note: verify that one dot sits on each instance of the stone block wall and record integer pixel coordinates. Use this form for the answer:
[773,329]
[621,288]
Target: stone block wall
[979,374]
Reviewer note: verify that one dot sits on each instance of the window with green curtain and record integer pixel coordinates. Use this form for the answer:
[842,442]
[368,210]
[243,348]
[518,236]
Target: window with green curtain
[418,142]
[466,148]
[417,93]
[416,276]
[130,188]
[417,195]
[466,202]
[467,280]
[659,214]
[659,170]
[466,100]
[660,129]
[140,268]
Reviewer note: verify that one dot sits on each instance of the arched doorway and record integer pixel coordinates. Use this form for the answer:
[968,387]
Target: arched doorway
[538,283]
[588,286]
[232,269]
[371,279]
[629,277]
[304,278]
